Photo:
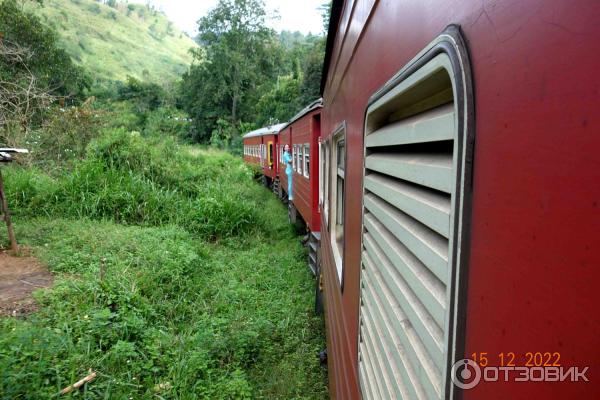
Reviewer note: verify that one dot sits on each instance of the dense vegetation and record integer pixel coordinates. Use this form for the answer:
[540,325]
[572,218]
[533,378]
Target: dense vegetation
[204,292]
[253,75]
[116,40]
[176,275]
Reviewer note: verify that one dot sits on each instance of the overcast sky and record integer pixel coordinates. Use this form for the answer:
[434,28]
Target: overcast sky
[294,15]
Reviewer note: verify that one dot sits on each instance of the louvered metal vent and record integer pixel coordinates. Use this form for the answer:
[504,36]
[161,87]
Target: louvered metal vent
[412,164]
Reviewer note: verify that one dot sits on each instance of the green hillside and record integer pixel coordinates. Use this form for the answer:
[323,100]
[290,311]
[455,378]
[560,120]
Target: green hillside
[114,42]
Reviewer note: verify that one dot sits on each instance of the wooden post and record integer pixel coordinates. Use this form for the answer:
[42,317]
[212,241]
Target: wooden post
[11,233]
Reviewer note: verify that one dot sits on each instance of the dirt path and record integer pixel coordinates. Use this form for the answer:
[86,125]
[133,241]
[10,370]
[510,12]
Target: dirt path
[19,277]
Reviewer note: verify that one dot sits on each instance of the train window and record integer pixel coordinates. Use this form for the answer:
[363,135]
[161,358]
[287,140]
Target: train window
[338,163]
[299,162]
[294,151]
[416,142]
[339,219]
[270,154]
[281,146]
[306,160]
[321,157]
[325,168]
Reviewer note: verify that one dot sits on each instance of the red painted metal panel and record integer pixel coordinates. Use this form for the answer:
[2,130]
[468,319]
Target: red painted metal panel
[284,138]
[533,276]
[270,170]
[306,130]
[252,141]
[342,365]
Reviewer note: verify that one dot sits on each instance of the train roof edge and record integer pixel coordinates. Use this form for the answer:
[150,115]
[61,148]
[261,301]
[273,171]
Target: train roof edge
[266,130]
[311,107]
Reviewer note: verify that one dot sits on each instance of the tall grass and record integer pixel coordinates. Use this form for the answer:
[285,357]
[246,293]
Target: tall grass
[172,317]
[204,290]
[150,182]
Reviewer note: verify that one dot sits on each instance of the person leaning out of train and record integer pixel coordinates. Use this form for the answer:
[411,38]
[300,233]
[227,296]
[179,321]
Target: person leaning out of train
[289,171]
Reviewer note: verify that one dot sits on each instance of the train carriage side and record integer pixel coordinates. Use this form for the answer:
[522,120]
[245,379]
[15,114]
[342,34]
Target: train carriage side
[252,147]
[306,131]
[270,159]
[259,149]
[284,138]
[461,190]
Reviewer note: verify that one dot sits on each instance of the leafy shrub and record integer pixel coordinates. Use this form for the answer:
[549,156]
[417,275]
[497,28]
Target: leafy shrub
[172,316]
[167,121]
[95,8]
[144,181]
[65,135]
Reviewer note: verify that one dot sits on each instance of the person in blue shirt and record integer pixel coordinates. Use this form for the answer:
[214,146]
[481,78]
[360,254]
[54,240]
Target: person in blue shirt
[289,171]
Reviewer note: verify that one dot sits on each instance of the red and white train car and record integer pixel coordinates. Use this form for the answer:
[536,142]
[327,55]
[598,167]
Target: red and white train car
[260,149]
[460,205]
[302,134]
[284,137]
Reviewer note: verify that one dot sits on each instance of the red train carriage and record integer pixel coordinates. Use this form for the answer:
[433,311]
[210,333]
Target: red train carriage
[270,161]
[460,210]
[302,133]
[260,149]
[284,138]
[253,147]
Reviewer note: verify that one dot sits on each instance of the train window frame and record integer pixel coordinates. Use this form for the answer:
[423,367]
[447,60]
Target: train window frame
[398,100]
[294,157]
[337,201]
[306,160]
[325,164]
[281,147]
[321,183]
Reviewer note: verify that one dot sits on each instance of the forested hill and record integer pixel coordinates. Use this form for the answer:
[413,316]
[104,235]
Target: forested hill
[116,39]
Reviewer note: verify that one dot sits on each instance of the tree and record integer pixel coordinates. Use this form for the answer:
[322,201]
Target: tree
[310,86]
[33,72]
[51,65]
[239,54]
[145,96]
[280,103]
[21,97]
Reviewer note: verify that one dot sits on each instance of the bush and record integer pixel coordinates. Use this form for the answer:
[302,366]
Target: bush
[134,180]
[167,121]
[64,135]
[172,317]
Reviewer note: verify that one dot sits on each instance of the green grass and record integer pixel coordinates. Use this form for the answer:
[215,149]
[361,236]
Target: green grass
[116,42]
[129,179]
[205,291]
